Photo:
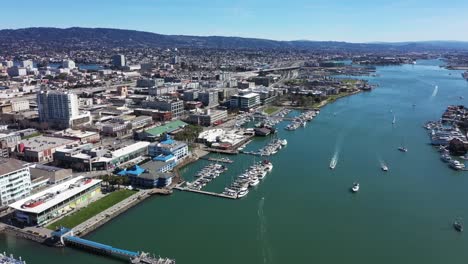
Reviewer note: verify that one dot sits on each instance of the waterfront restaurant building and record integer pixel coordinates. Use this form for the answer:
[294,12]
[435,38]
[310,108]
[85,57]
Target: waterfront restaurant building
[44,206]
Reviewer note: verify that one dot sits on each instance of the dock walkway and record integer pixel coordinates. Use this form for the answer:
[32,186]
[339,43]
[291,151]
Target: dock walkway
[205,192]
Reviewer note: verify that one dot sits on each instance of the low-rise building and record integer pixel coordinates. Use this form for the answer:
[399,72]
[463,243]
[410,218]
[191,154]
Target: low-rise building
[54,175]
[41,148]
[88,158]
[155,133]
[176,107]
[245,101]
[44,206]
[15,180]
[168,146]
[208,117]
[82,136]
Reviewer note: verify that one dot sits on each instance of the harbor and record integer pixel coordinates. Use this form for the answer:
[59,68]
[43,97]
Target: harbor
[303,200]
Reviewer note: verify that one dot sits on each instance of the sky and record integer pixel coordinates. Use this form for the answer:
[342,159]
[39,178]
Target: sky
[337,20]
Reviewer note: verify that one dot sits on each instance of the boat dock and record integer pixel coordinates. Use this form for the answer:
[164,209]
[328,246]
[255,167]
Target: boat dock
[205,192]
[221,160]
[67,238]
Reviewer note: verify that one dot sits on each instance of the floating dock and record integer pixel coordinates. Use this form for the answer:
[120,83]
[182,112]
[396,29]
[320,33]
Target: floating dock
[205,193]
[219,160]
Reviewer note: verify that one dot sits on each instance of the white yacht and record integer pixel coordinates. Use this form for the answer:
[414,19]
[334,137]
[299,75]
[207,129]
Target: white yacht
[242,193]
[254,182]
[284,142]
[455,164]
[355,187]
[384,167]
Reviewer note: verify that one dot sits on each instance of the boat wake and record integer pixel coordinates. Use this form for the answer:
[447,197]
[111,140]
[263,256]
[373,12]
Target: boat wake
[435,91]
[262,233]
[334,160]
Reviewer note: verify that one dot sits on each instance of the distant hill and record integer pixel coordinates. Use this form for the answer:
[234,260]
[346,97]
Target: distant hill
[105,37]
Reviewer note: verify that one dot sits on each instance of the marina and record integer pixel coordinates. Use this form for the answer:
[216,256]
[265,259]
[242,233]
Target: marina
[300,200]
[10,259]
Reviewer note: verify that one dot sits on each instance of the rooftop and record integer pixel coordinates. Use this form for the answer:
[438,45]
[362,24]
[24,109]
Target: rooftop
[11,165]
[167,128]
[55,194]
[41,143]
[128,149]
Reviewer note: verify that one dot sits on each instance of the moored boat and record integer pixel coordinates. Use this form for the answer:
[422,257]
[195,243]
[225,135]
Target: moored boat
[355,187]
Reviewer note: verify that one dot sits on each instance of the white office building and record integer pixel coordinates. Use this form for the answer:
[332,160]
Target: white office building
[15,180]
[68,64]
[60,109]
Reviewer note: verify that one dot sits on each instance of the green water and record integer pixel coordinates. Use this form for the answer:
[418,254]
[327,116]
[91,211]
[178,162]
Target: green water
[303,212]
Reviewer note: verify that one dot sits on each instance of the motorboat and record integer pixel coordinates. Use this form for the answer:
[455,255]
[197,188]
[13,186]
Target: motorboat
[254,182]
[445,158]
[455,164]
[355,187]
[403,149]
[242,193]
[458,226]
[384,167]
[333,164]
[284,142]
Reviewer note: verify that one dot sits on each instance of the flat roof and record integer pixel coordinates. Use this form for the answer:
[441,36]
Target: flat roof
[60,193]
[128,149]
[41,143]
[11,165]
[169,127]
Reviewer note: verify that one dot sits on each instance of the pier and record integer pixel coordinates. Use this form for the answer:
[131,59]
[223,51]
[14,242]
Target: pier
[205,193]
[67,238]
[220,160]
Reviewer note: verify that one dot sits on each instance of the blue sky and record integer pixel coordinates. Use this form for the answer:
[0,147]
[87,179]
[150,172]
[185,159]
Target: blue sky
[340,20]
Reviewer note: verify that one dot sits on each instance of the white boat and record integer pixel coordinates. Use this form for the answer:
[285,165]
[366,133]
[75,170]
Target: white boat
[455,164]
[394,119]
[384,167]
[333,162]
[355,187]
[254,182]
[242,193]
[284,142]
[403,149]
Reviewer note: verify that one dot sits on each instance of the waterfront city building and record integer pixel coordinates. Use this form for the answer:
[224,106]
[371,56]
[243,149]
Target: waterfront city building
[15,180]
[44,206]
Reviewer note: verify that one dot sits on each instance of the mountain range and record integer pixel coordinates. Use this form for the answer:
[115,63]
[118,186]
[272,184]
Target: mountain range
[107,37]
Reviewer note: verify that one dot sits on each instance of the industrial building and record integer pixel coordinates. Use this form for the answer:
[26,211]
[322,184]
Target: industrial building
[44,206]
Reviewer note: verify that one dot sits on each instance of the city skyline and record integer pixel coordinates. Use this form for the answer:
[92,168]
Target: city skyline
[364,21]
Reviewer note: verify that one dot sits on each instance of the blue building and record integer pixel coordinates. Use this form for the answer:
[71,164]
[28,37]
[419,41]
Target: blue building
[152,180]
[168,146]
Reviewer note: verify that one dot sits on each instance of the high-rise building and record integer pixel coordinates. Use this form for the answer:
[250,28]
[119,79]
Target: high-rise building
[15,180]
[68,64]
[118,61]
[60,109]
